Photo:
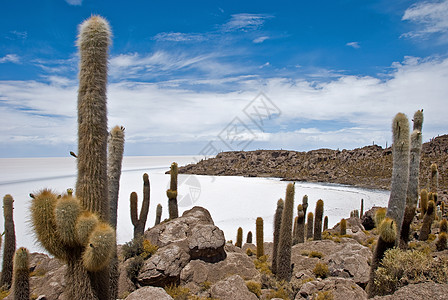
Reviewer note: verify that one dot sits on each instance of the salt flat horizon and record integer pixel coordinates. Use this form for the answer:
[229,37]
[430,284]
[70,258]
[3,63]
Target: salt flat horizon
[233,201]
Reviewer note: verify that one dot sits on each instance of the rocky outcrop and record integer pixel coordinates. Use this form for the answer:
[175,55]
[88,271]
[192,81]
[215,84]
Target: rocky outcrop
[232,288]
[237,263]
[207,243]
[370,166]
[149,292]
[335,288]
[427,290]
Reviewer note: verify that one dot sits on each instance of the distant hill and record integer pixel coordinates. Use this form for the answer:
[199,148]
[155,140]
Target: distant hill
[369,167]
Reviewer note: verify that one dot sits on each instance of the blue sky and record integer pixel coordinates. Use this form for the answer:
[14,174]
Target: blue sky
[184,76]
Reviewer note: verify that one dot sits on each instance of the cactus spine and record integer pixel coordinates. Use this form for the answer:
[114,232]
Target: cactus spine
[319,213]
[10,243]
[115,159]
[427,221]
[412,191]
[172,193]
[158,214]
[343,227]
[434,179]
[300,224]
[277,225]
[140,222]
[249,237]
[21,282]
[239,237]
[325,223]
[259,234]
[284,269]
[309,225]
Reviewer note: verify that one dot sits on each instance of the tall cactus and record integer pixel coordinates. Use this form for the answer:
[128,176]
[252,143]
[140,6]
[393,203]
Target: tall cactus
[277,225]
[172,193]
[115,159]
[412,191]
[284,269]
[325,223]
[260,236]
[362,208]
[140,222]
[434,179]
[300,224]
[239,237]
[10,243]
[343,227]
[309,225]
[427,221]
[21,282]
[319,213]
[87,273]
[158,214]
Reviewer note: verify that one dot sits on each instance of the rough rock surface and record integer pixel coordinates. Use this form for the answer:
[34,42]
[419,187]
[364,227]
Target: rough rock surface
[165,266]
[427,290]
[125,285]
[207,243]
[149,292]
[344,259]
[236,263]
[339,288]
[232,288]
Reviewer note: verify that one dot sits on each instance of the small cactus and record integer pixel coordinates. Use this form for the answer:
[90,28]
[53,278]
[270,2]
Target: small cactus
[427,221]
[325,223]
[434,179]
[441,241]
[305,203]
[343,227]
[443,227]
[284,269]
[300,224]
[140,222]
[172,193]
[362,208]
[10,243]
[158,214]
[239,237]
[319,213]
[309,225]
[21,281]
[259,234]
[277,225]
[249,237]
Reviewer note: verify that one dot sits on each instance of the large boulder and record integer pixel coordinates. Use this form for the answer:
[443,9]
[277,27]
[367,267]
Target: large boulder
[236,263]
[149,292]
[232,288]
[427,290]
[336,288]
[207,243]
[346,258]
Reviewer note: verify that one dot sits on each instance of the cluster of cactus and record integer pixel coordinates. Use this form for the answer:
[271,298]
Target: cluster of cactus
[140,222]
[277,225]
[283,268]
[9,244]
[260,236]
[354,214]
[172,193]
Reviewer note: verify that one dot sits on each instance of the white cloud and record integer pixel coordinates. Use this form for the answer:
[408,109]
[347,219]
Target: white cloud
[260,39]
[74,2]
[353,45]
[13,58]
[245,22]
[342,112]
[431,16]
[179,37]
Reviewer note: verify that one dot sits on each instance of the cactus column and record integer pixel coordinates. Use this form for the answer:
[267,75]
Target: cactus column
[284,270]
[10,243]
[277,224]
[140,222]
[239,237]
[21,283]
[319,213]
[158,214]
[259,236]
[172,193]
[300,224]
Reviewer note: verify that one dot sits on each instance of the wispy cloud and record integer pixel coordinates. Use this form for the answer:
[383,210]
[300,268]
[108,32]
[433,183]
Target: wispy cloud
[12,58]
[432,18]
[353,45]
[245,22]
[74,2]
[16,35]
[260,39]
[180,37]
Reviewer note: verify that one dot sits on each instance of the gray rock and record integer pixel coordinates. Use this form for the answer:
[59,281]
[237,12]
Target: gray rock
[207,243]
[232,288]
[339,288]
[165,266]
[427,290]
[149,292]
[125,285]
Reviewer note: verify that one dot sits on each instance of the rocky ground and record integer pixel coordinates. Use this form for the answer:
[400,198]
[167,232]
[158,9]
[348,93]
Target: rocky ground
[194,261]
[369,167]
